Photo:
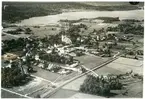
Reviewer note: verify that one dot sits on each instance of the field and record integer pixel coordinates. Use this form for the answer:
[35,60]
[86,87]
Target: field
[45,30]
[75,85]
[46,74]
[65,93]
[32,88]
[7,94]
[91,61]
[42,31]
[122,65]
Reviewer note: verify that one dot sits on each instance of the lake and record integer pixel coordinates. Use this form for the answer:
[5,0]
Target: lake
[53,19]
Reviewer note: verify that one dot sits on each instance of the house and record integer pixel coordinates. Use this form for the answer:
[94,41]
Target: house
[9,56]
[41,65]
[74,64]
[37,57]
[64,71]
[50,66]
[111,33]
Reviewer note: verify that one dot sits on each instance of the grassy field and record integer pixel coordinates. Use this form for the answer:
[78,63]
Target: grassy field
[122,65]
[135,90]
[63,93]
[91,61]
[45,30]
[6,94]
[45,74]
[75,85]
[40,32]
[66,93]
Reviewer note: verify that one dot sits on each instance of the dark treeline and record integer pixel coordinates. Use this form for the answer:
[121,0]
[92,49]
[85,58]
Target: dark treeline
[13,76]
[16,11]
[128,29]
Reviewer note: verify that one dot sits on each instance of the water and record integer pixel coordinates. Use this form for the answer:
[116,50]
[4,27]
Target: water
[53,19]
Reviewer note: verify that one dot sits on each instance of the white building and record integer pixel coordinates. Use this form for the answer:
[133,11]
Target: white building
[65,39]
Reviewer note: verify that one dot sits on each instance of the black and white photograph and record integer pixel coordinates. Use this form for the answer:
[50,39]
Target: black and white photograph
[86,49]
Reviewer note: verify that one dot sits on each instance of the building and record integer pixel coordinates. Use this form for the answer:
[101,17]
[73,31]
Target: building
[65,39]
[9,56]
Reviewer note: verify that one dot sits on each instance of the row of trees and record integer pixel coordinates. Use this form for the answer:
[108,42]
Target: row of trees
[109,19]
[128,28]
[19,31]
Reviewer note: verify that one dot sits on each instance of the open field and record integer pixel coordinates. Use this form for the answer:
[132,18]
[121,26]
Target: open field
[45,74]
[123,65]
[135,90]
[34,85]
[63,93]
[66,93]
[75,85]
[7,94]
[42,31]
[8,37]
[90,61]
[45,31]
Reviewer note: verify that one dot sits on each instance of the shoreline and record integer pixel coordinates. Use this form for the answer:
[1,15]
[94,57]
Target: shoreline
[63,15]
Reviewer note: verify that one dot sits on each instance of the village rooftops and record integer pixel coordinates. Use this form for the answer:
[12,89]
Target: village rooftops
[111,32]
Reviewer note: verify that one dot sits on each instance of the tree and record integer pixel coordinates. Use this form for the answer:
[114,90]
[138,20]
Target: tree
[38,96]
[28,31]
[12,76]
[99,85]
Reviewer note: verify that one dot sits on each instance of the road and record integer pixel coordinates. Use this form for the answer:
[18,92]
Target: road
[83,74]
